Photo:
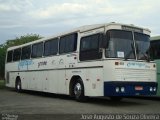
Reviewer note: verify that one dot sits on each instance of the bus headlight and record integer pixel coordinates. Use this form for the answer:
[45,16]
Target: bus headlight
[154,89]
[117,89]
[122,89]
[151,89]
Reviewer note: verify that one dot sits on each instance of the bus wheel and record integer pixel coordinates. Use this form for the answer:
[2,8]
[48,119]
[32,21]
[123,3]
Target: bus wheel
[78,90]
[18,86]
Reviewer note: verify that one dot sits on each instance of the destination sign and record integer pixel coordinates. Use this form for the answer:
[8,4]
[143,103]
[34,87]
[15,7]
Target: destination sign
[134,29]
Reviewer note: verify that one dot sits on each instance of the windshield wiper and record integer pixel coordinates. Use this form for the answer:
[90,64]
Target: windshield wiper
[147,58]
[129,53]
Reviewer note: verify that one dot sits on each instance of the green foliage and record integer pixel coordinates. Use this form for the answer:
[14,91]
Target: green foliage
[22,40]
[14,42]
[2,61]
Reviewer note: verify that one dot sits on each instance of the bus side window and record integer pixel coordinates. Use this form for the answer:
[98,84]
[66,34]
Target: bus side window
[51,47]
[68,43]
[89,47]
[17,54]
[26,52]
[37,50]
[9,56]
[155,50]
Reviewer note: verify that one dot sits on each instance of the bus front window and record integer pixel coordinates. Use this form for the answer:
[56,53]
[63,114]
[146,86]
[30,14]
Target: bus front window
[121,44]
[142,45]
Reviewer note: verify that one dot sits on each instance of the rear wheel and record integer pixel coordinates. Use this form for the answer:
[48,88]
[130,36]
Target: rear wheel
[78,90]
[18,86]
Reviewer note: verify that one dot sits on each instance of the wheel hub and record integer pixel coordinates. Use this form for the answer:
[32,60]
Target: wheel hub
[77,89]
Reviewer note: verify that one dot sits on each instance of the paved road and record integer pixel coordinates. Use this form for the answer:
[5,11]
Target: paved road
[41,103]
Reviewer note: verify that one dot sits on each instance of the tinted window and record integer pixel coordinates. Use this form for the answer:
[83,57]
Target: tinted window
[155,50]
[120,44]
[120,34]
[90,42]
[26,52]
[9,56]
[37,50]
[89,48]
[68,43]
[142,45]
[17,54]
[51,47]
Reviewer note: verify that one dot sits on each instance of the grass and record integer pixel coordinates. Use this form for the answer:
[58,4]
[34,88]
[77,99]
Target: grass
[2,84]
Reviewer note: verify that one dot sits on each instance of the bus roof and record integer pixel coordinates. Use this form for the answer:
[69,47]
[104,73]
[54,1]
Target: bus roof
[79,29]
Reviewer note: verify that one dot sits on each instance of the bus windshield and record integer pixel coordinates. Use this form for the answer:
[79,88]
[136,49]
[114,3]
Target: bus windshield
[142,44]
[122,45]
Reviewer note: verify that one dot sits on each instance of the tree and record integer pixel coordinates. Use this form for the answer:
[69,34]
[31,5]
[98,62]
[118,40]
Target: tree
[14,42]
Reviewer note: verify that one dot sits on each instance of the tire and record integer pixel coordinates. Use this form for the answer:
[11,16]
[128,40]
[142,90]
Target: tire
[78,90]
[18,86]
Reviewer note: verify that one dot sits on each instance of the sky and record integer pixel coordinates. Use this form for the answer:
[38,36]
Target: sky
[49,17]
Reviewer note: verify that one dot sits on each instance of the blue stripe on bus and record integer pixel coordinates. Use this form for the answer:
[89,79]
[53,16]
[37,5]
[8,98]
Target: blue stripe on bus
[110,88]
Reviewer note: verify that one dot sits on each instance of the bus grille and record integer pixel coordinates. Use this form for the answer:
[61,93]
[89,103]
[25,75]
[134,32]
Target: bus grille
[135,75]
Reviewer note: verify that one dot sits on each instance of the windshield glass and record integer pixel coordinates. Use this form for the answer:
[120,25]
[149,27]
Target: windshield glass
[120,45]
[142,44]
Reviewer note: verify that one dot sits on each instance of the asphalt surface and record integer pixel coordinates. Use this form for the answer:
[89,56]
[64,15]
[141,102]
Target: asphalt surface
[36,105]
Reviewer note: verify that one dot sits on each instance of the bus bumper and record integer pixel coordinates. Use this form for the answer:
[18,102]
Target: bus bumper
[129,88]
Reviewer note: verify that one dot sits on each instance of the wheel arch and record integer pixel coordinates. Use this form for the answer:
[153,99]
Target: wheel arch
[17,79]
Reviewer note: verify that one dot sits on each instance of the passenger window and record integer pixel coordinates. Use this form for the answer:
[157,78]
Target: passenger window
[9,56]
[37,50]
[26,52]
[51,47]
[68,43]
[17,54]
[89,47]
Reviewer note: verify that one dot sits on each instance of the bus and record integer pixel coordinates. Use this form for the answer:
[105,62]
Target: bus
[155,55]
[108,59]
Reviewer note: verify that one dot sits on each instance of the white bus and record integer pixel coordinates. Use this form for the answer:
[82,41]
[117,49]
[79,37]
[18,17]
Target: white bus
[95,60]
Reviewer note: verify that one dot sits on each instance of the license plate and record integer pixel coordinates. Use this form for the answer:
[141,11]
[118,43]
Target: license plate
[138,88]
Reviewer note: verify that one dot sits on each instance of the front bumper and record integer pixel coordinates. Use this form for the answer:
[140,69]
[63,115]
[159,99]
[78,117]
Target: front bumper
[129,88]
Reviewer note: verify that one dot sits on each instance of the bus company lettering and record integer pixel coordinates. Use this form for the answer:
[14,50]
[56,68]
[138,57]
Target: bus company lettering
[137,65]
[24,64]
[43,63]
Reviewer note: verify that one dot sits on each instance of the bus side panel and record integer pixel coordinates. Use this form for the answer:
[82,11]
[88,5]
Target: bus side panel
[94,82]
[24,81]
[92,79]
[53,81]
[158,79]
[158,76]
[12,78]
[61,82]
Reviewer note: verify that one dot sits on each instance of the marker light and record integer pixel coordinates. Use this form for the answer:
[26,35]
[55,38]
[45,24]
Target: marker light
[154,89]
[154,65]
[117,89]
[122,89]
[151,89]
[116,63]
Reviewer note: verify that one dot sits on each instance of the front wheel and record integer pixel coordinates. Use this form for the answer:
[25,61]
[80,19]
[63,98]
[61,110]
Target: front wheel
[78,91]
